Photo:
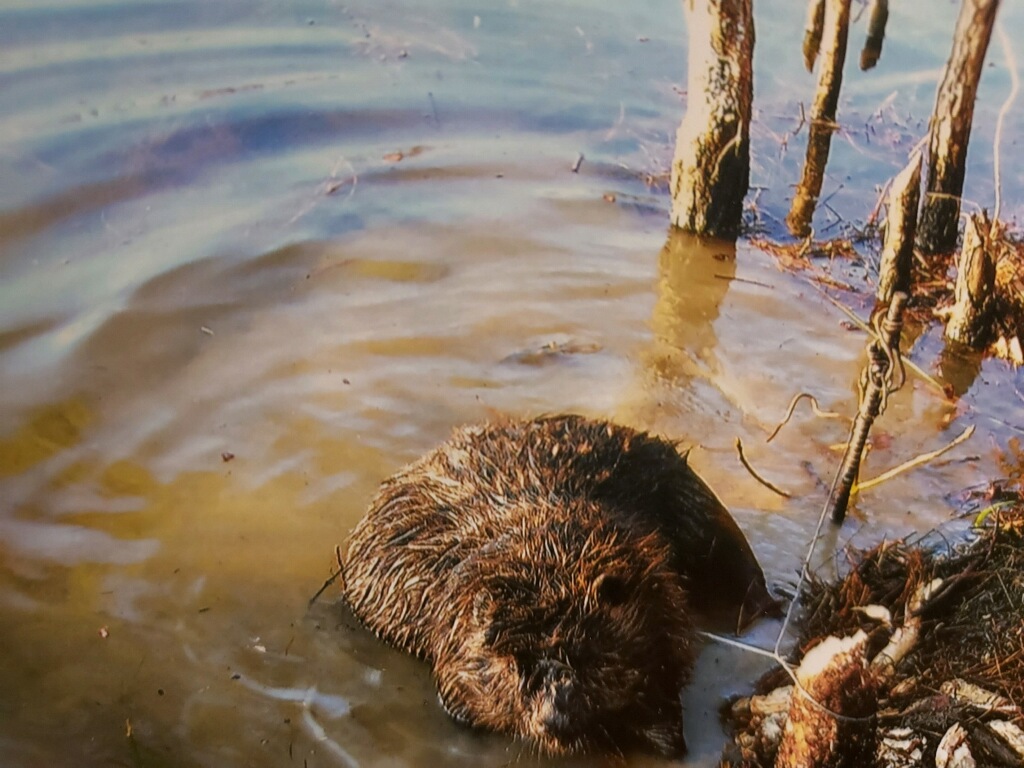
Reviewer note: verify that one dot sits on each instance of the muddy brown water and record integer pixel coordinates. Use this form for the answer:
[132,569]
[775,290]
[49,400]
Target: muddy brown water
[254,256]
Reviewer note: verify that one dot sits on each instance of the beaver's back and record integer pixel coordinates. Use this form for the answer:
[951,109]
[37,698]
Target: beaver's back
[432,514]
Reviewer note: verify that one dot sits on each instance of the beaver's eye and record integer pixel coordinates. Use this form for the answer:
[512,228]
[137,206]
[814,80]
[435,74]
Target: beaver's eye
[525,665]
[610,590]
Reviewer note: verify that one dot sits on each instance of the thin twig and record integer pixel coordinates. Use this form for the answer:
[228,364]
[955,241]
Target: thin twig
[734,643]
[331,185]
[733,278]
[1011,66]
[753,473]
[792,406]
[917,461]
[832,194]
[873,216]
[333,577]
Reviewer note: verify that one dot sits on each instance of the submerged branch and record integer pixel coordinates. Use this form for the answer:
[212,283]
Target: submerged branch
[753,473]
[792,407]
[917,461]
[332,578]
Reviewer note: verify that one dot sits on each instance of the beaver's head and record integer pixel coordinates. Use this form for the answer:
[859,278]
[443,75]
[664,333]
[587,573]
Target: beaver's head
[568,632]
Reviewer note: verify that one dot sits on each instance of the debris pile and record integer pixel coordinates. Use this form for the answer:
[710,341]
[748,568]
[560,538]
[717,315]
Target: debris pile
[915,657]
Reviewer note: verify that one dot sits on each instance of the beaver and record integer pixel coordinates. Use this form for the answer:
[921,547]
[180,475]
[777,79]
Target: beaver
[546,569]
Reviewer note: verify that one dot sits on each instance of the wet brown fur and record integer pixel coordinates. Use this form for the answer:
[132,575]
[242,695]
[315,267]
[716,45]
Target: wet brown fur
[542,567]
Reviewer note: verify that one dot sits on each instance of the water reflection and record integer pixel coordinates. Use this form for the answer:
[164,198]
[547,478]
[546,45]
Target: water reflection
[693,278]
[805,199]
[45,433]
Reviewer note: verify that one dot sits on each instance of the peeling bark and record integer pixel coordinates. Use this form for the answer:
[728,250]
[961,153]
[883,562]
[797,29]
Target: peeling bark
[711,168]
[954,749]
[974,290]
[900,748]
[960,617]
[838,681]
[992,747]
[901,224]
[1011,734]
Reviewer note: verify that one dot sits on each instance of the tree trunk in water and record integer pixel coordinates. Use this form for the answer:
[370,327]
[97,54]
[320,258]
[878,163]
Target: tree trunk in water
[898,249]
[975,285]
[812,32]
[872,50]
[823,116]
[951,126]
[711,168]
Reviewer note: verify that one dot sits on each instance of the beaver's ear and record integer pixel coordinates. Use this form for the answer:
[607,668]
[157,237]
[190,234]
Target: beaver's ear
[610,589]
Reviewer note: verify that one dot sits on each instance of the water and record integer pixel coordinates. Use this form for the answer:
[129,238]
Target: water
[256,255]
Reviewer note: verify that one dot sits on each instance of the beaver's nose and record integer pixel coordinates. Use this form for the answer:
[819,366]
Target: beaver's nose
[543,673]
[550,673]
[562,693]
[560,687]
